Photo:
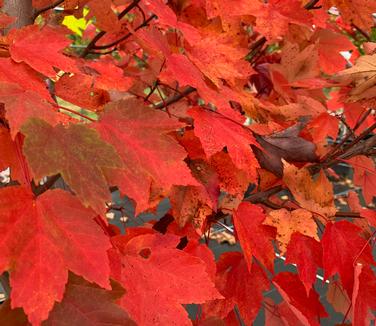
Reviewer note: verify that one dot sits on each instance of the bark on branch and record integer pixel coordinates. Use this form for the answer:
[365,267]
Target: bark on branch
[22,10]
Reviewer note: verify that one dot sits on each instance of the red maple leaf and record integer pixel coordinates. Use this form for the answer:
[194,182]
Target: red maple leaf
[42,239]
[158,277]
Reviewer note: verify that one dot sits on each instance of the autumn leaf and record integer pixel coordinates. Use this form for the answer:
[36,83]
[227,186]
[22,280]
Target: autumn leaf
[330,46]
[217,131]
[357,11]
[217,58]
[27,43]
[42,239]
[105,17]
[188,203]
[162,278]
[342,247]
[235,282]
[10,157]
[22,75]
[80,156]
[286,222]
[364,176]
[313,195]
[281,15]
[88,304]
[305,307]
[20,105]
[285,144]
[148,153]
[306,253]
[364,295]
[363,75]
[255,238]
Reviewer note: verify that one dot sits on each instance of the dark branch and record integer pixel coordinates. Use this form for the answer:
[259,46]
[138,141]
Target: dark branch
[38,190]
[312,5]
[46,8]
[123,38]
[97,37]
[175,98]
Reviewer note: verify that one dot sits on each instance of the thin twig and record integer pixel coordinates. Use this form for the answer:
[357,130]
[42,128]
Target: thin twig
[123,38]
[46,8]
[312,5]
[175,98]
[75,112]
[38,190]
[362,118]
[97,37]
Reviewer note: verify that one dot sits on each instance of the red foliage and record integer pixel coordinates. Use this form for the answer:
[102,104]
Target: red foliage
[236,111]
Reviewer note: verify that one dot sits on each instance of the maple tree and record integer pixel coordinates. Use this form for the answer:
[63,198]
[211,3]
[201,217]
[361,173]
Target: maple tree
[237,111]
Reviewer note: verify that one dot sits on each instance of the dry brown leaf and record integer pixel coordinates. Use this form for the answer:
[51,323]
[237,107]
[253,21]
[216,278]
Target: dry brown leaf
[363,76]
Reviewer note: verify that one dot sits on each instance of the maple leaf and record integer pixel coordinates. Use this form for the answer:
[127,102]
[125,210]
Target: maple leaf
[167,17]
[87,304]
[162,278]
[84,303]
[80,90]
[231,179]
[364,295]
[357,11]
[299,220]
[363,74]
[149,154]
[313,195]
[20,105]
[188,204]
[281,15]
[342,245]
[235,282]
[297,64]
[107,75]
[364,175]
[322,126]
[105,17]
[305,307]
[80,156]
[306,253]
[217,131]
[255,238]
[22,75]
[284,144]
[218,59]
[28,41]
[11,157]
[338,298]
[42,239]
[330,46]
[280,314]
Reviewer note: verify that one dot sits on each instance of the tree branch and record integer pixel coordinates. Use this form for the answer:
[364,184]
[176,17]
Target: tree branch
[40,189]
[175,98]
[312,5]
[22,10]
[123,38]
[46,8]
[97,37]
